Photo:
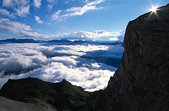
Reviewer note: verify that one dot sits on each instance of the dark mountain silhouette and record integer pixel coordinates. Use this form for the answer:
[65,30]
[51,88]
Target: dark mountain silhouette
[18,41]
[63,95]
[60,41]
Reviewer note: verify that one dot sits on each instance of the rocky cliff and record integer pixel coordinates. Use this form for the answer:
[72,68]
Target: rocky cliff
[141,83]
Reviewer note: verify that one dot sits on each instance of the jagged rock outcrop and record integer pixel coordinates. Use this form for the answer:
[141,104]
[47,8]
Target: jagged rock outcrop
[141,83]
[61,96]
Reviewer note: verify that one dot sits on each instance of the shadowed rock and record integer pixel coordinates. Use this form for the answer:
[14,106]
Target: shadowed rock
[62,96]
[141,83]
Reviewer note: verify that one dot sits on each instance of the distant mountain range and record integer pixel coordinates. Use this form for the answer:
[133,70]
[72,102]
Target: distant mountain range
[19,41]
[60,41]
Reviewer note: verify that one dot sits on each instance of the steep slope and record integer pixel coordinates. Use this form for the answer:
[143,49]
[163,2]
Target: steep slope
[141,83]
[62,96]
[11,105]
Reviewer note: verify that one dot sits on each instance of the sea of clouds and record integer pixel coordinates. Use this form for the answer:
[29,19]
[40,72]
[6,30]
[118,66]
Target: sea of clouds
[87,65]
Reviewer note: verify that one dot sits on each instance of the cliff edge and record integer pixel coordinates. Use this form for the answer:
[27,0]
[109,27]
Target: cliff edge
[141,83]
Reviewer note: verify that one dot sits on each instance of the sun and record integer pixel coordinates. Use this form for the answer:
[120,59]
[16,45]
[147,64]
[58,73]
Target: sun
[154,9]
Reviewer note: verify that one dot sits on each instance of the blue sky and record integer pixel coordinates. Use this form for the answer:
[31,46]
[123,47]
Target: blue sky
[72,19]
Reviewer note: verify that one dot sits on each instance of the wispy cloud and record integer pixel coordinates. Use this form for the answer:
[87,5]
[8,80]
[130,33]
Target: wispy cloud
[26,31]
[98,35]
[38,20]
[51,3]
[21,7]
[37,3]
[6,13]
[74,11]
[57,15]
[17,28]
[7,3]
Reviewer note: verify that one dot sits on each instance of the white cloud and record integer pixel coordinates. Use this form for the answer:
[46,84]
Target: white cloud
[51,3]
[21,7]
[98,35]
[23,10]
[85,1]
[74,11]
[7,3]
[37,3]
[26,31]
[113,39]
[56,15]
[38,20]
[68,61]
[81,10]
[6,13]
[17,28]
[18,58]
[88,78]
[30,60]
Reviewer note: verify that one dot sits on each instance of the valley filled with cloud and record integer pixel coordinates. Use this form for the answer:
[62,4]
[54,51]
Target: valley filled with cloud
[87,65]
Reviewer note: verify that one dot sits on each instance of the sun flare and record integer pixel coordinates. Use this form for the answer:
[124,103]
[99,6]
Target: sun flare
[154,9]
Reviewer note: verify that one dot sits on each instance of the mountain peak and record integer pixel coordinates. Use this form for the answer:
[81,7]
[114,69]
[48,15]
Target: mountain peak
[65,81]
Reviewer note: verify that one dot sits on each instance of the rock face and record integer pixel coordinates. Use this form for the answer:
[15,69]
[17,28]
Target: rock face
[61,96]
[141,83]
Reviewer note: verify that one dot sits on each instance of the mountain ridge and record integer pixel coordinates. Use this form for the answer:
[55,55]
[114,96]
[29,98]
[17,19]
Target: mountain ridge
[60,41]
[62,96]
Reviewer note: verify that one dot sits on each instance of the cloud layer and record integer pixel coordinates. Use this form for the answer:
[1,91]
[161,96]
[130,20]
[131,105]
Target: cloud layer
[26,31]
[56,62]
